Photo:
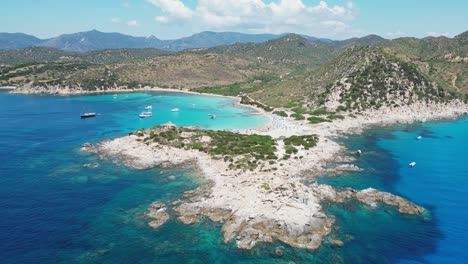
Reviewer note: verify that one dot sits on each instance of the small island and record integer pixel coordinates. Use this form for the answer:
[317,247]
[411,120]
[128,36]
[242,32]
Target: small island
[254,179]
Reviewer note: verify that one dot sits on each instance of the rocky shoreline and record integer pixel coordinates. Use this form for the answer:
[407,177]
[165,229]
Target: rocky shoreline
[253,206]
[269,201]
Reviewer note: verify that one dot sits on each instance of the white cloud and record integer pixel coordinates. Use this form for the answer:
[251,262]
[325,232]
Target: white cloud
[277,16]
[133,23]
[438,34]
[116,20]
[175,11]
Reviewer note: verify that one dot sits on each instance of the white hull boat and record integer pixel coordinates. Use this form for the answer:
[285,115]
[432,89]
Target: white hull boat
[146,114]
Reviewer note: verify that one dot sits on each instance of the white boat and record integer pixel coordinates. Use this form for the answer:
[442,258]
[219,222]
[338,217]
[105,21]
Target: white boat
[212,116]
[87,115]
[419,138]
[149,107]
[175,110]
[412,164]
[146,114]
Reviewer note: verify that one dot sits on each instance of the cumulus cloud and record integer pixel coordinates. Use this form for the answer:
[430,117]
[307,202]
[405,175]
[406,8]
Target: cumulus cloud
[133,23]
[259,15]
[116,20]
[174,10]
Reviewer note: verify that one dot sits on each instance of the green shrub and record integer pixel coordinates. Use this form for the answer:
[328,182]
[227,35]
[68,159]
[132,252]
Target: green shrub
[290,105]
[281,113]
[297,116]
[299,110]
[320,111]
[316,120]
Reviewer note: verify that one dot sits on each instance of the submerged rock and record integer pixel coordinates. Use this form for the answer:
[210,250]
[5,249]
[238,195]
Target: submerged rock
[158,212]
[171,178]
[336,242]
[279,252]
[188,214]
[88,147]
[348,167]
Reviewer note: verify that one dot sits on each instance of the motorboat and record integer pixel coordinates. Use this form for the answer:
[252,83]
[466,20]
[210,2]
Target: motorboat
[419,138]
[87,115]
[412,164]
[149,107]
[175,110]
[146,114]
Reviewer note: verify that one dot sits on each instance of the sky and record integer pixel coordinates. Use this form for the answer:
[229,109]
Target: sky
[170,19]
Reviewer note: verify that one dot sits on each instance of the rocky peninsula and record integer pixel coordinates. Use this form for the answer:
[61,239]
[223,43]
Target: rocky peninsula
[255,178]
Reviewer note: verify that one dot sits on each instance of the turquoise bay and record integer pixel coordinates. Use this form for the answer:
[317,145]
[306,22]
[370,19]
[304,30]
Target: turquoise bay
[55,211]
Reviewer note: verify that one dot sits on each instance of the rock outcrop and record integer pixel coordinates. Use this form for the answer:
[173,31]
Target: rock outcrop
[158,212]
[369,196]
[265,204]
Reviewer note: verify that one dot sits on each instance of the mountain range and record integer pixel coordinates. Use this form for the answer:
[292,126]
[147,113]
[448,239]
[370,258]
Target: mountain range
[96,40]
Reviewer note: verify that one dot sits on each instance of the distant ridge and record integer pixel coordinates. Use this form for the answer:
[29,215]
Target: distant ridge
[17,40]
[96,40]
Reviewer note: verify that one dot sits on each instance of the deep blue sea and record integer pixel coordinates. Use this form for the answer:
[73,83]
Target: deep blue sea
[54,210]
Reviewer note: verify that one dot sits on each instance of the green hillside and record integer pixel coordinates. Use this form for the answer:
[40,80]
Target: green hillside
[290,50]
[290,71]
[15,57]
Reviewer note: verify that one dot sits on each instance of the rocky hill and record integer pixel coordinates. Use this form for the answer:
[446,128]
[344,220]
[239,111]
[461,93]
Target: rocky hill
[358,79]
[291,49]
[31,55]
[180,71]
[442,59]
[289,71]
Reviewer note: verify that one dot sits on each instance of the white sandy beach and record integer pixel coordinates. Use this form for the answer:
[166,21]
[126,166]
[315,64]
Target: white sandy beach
[286,202]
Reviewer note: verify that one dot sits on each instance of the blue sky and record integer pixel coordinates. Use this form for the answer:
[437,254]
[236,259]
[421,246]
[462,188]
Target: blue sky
[165,19]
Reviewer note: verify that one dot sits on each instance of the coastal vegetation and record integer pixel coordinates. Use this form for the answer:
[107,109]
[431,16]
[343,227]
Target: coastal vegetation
[289,72]
[241,151]
[316,120]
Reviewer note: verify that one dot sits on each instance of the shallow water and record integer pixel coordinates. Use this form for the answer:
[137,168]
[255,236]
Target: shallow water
[54,210]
